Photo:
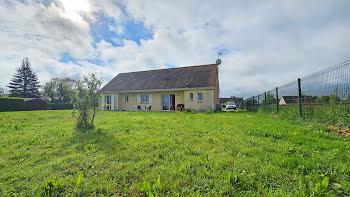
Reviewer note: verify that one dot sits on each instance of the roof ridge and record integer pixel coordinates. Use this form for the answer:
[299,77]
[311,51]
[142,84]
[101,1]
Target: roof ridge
[170,68]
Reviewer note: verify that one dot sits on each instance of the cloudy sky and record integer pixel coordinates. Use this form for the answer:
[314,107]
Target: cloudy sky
[263,44]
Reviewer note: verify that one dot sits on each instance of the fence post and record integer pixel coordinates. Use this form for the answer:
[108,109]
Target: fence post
[277,101]
[300,98]
[258,101]
[253,103]
[265,100]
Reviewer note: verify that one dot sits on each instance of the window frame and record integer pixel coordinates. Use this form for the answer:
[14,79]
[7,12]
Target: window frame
[198,97]
[145,96]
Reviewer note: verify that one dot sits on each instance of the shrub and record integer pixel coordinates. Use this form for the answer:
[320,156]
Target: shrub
[322,100]
[11,104]
[85,100]
[209,111]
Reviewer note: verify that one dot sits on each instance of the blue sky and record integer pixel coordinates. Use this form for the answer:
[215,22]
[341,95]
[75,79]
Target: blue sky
[263,44]
[114,32]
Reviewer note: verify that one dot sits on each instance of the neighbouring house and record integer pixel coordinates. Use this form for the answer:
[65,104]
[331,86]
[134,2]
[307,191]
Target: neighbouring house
[192,87]
[34,104]
[235,99]
[293,100]
[288,100]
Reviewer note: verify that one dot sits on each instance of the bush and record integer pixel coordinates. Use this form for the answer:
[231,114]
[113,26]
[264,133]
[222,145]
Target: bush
[86,102]
[209,111]
[11,104]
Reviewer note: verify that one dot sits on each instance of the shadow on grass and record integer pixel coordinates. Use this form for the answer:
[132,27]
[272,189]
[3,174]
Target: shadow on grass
[235,111]
[93,140]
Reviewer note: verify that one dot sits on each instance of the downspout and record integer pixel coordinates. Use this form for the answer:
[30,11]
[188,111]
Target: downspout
[213,103]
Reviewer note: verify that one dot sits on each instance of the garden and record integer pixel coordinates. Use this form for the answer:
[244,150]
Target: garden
[170,154]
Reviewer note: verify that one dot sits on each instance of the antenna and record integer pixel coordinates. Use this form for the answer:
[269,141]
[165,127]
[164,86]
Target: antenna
[218,61]
[219,54]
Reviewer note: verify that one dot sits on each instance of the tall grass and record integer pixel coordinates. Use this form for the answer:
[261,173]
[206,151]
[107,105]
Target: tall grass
[328,114]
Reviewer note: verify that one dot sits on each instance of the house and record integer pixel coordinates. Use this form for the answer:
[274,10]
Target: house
[192,87]
[293,100]
[288,100]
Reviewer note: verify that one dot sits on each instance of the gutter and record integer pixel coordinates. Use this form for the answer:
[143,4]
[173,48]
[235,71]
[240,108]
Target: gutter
[159,90]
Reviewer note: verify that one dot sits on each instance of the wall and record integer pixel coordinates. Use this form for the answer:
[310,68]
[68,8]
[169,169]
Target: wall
[181,97]
[282,102]
[157,100]
[206,104]
[217,88]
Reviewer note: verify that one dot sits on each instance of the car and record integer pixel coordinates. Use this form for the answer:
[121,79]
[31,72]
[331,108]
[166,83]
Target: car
[231,105]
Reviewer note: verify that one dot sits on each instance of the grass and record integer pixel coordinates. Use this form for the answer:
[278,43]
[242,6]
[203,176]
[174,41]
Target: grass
[326,114]
[169,154]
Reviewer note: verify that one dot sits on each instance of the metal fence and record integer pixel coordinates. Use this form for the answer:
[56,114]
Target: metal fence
[323,96]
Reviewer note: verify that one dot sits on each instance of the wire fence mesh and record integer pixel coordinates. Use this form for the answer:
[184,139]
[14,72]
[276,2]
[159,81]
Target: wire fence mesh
[323,96]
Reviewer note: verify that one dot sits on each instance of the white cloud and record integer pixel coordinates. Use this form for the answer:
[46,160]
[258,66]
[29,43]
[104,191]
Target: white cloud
[266,43]
[41,33]
[116,28]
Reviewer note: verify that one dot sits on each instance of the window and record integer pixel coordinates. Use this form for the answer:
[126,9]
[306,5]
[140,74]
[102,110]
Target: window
[108,102]
[145,98]
[191,96]
[126,99]
[200,96]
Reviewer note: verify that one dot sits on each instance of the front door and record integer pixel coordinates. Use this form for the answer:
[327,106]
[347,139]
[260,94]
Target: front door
[168,102]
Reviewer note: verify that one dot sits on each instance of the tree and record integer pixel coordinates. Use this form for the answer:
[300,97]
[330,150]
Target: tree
[334,99]
[24,82]
[58,91]
[251,104]
[331,99]
[270,99]
[85,100]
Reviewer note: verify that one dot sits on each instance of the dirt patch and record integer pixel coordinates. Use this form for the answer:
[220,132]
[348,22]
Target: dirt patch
[340,130]
[275,115]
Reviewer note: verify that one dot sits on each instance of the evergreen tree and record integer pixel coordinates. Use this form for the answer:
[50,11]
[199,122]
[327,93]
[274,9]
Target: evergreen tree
[24,82]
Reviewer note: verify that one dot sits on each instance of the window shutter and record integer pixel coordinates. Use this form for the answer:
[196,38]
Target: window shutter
[112,102]
[102,102]
[138,99]
[150,98]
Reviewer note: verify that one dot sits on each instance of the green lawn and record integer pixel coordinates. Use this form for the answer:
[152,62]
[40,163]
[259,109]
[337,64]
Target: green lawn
[169,154]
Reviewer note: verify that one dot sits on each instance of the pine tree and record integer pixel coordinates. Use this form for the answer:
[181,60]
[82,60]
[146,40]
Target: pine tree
[24,82]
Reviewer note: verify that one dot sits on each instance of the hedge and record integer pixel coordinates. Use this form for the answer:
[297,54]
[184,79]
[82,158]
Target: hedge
[54,106]
[35,104]
[11,104]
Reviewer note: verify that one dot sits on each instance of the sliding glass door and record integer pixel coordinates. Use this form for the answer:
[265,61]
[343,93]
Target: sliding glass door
[166,102]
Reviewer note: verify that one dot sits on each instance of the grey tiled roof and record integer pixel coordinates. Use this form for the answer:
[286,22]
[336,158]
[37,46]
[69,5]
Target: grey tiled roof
[173,78]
